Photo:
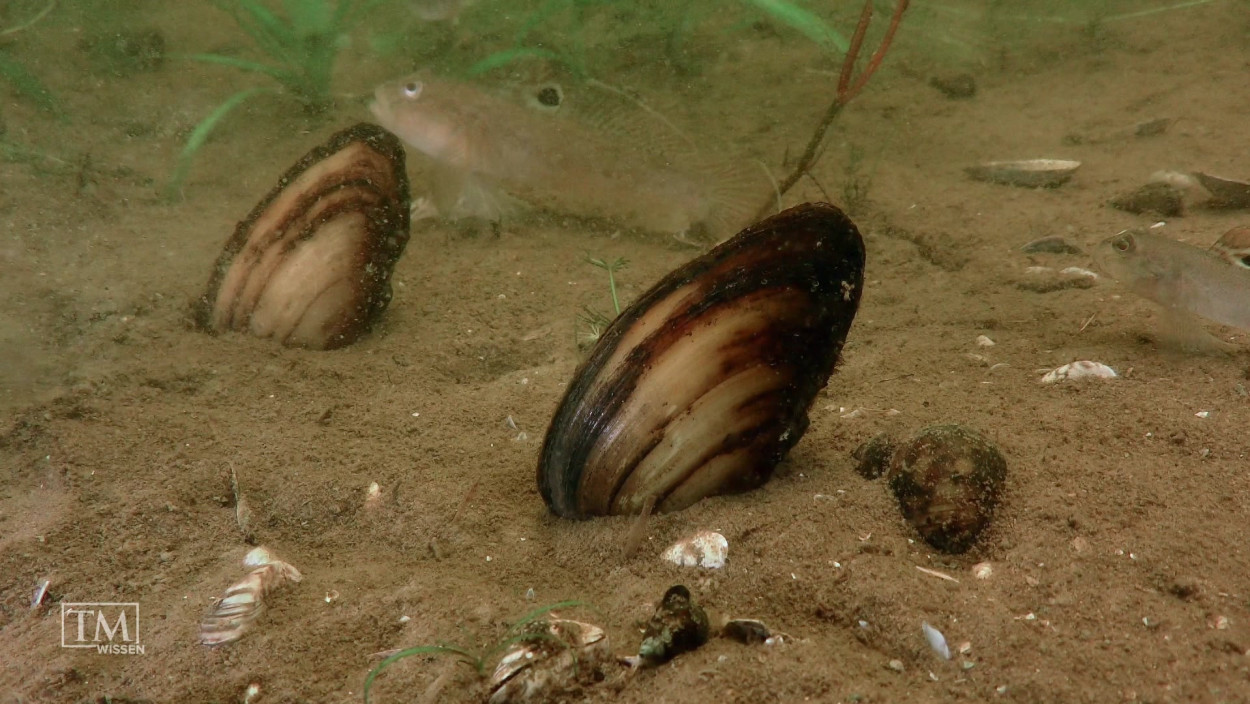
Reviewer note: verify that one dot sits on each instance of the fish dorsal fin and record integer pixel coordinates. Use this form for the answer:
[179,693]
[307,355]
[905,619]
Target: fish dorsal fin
[1234,246]
[735,185]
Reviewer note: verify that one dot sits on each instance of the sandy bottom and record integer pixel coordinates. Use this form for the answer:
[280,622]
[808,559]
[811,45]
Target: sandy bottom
[1118,553]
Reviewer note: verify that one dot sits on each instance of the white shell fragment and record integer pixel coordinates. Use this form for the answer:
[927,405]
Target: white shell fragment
[243,602]
[1028,173]
[1078,271]
[703,549]
[560,655]
[41,593]
[1084,369]
[983,570]
[936,640]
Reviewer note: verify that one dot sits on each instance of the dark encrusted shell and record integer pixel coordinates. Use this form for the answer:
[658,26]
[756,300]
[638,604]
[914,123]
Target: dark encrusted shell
[310,266]
[678,626]
[703,384]
[947,479]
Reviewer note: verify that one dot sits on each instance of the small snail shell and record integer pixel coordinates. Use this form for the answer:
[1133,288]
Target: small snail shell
[947,480]
[310,266]
[703,384]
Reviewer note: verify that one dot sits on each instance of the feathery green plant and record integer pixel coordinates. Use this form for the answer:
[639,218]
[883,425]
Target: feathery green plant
[517,633]
[594,321]
[300,46]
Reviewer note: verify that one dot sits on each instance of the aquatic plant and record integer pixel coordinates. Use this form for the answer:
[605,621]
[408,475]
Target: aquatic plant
[849,86]
[594,321]
[15,72]
[478,660]
[552,13]
[300,46]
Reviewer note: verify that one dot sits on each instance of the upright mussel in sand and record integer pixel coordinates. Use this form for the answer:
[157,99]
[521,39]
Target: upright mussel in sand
[311,264]
[947,479]
[703,384]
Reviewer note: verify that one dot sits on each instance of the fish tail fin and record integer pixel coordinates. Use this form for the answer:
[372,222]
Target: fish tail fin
[734,194]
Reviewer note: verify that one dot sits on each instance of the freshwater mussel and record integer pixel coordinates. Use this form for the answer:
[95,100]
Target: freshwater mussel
[947,479]
[704,384]
[310,266]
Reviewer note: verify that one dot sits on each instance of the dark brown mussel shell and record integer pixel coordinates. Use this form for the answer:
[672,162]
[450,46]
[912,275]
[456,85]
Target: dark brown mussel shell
[947,479]
[703,384]
[311,265]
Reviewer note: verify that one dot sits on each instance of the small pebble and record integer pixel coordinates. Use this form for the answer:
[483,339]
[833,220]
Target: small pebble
[896,665]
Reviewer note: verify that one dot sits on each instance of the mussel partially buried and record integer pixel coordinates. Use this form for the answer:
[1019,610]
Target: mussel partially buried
[311,264]
[704,383]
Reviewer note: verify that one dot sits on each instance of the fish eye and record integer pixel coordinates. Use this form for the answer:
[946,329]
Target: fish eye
[412,89]
[1123,243]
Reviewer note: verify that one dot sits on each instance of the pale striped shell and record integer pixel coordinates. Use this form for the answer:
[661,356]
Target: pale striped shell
[704,383]
[310,266]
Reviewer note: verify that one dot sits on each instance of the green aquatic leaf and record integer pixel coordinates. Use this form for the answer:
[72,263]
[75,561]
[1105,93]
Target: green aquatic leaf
[200,135]
[804,22]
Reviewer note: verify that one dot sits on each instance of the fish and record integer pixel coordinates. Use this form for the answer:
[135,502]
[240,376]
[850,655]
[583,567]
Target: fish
[1185,280]
[486,147]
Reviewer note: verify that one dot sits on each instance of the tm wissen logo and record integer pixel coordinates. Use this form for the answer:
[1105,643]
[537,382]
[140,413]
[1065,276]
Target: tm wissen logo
[109,628]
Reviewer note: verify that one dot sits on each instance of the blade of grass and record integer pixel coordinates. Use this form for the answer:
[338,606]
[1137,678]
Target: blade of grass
[281,75]
[803,21]
[500,59]
[200,135]
[419,650]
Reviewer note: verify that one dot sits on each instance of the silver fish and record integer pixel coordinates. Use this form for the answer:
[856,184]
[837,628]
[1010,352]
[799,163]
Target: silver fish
[1183,279]
[485,143]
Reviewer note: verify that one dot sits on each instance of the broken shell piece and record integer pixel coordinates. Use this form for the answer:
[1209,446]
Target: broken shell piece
[678,626]
[243,602]
[703,549]
[41,593]
[1083,369]
[1028,173]
[1225,192]
[936,641]
[983,570]
[552,656]
[1050,245]
[372,495]
[1157,197]
[311,265]
[746,630]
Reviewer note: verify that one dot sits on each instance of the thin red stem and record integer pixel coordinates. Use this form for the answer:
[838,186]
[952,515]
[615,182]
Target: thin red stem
[852,52]
[846,91]
[875,62]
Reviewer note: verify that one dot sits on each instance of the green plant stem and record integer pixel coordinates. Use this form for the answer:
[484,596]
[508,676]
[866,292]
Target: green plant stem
[616,304]
[200,135]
